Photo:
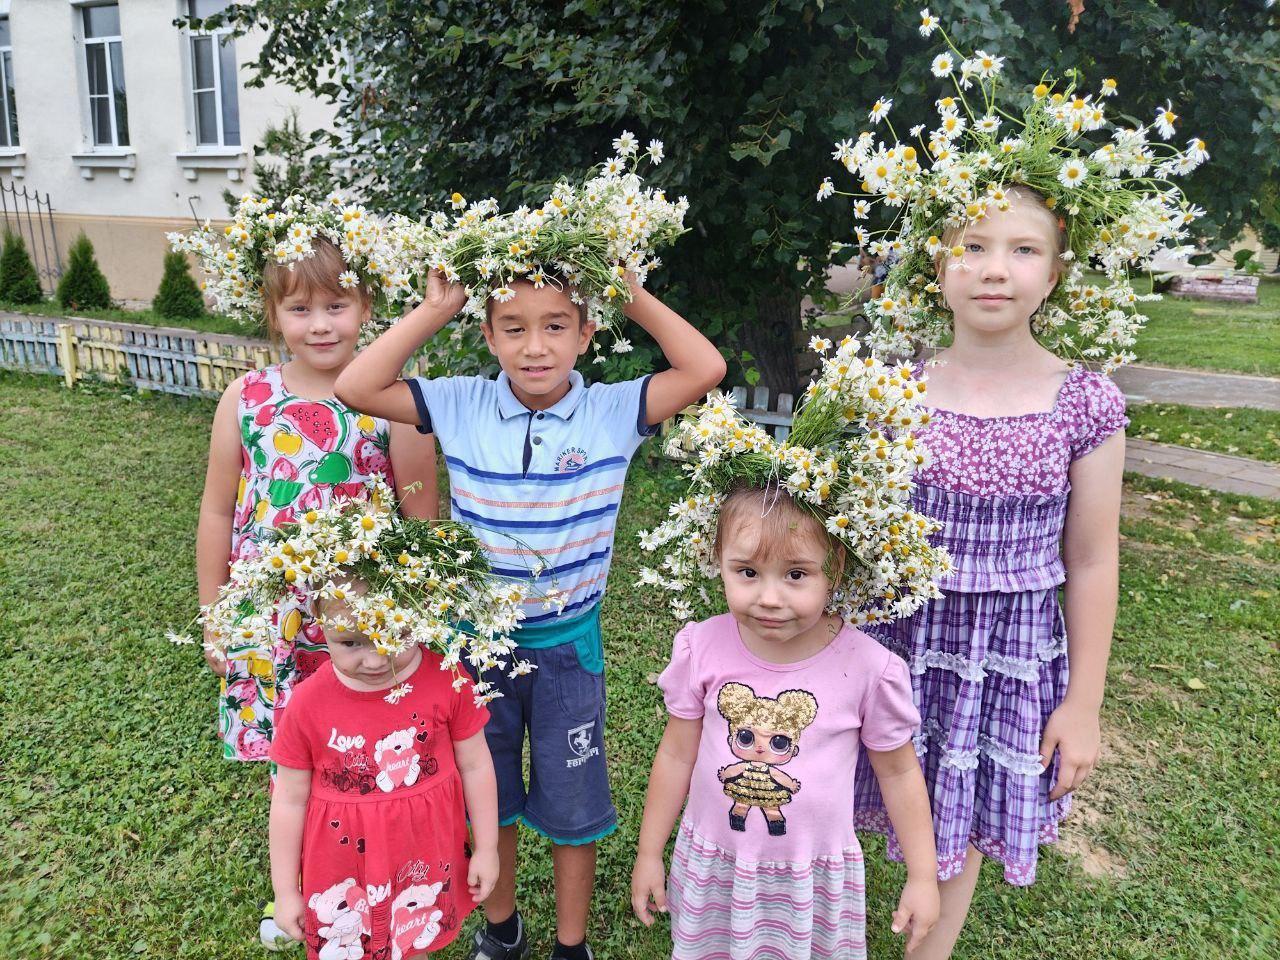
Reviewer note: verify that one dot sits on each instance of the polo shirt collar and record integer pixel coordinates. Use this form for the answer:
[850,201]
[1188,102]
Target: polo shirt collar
[509,406]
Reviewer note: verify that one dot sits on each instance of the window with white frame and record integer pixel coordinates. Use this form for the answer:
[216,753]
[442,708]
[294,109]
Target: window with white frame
[104,63]
[214,87]
[8,106]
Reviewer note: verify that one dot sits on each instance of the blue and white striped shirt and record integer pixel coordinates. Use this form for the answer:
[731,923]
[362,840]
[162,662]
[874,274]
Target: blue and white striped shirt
[538,485]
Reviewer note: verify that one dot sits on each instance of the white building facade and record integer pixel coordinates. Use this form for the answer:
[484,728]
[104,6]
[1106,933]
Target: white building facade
[132,125]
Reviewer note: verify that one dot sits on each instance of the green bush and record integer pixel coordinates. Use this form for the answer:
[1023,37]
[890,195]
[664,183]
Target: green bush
[179,296]
[19,282]
[83,287]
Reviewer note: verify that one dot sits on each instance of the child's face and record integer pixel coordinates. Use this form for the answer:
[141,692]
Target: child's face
[780,596]
[355,657]
[1010,266]
[762,745]
[537,339]
[319,327]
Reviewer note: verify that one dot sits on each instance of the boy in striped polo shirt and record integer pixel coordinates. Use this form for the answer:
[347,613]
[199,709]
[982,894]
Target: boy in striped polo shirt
[538,455]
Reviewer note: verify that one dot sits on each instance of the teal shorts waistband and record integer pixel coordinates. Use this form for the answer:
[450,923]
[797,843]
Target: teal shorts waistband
[561,630]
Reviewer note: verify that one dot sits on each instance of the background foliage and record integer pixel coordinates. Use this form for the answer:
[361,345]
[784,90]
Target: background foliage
[502,98]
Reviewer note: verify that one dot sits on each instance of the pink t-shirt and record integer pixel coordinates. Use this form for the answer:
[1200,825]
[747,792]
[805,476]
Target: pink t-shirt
[781,740]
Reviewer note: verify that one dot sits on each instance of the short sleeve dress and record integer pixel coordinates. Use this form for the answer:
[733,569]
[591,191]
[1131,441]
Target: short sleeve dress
[384,847]
[296,455]
[766,861]
[988,659]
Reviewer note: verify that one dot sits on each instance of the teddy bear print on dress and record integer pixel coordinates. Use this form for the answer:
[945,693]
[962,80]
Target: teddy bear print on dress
[764,734]
[342,916]
[415,919]
[398,763]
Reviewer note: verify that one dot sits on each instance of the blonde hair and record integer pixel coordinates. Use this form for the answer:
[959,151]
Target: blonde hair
[781,520]
[318,272]
[1034,201]
[790,713]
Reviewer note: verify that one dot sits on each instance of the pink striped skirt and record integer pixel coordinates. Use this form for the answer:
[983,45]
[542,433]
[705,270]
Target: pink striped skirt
[725,907]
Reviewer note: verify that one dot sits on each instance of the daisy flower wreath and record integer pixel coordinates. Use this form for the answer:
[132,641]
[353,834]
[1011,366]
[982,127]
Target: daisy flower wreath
[589,234]
[1116,202]
[265,231]
[849,461]
[428,583]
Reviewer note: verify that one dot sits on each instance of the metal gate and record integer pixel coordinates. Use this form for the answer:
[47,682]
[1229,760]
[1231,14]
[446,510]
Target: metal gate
[34,226]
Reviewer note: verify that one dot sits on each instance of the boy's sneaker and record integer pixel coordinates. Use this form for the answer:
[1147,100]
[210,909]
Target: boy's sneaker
[489,947]
[557,954]
[272,937]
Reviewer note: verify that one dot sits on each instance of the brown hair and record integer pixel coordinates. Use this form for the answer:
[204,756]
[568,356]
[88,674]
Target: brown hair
[780,518]
[554,279]
[320,271]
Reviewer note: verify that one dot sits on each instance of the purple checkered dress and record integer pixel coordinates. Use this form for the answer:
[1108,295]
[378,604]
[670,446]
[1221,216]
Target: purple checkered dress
[988,659]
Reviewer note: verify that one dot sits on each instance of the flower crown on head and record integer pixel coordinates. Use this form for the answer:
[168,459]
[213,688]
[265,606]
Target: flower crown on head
[424,579]
[1116,203]
[588,235]
[848,461]
[265,231]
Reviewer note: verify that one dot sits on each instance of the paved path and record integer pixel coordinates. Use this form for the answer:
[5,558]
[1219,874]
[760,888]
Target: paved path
[1218,471]
[1143,384]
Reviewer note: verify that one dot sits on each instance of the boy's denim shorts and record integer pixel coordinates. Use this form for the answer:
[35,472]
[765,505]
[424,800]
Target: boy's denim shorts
[561,706]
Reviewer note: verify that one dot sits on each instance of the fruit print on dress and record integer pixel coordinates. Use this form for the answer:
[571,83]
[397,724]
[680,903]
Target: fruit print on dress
[296,455]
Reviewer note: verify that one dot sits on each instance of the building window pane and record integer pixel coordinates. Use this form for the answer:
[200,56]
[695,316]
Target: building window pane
[206,8]
[102,21]
[229,89]
[101,110]
[10,104]
[117,90]
[202,61]
[206,119]
[5,41]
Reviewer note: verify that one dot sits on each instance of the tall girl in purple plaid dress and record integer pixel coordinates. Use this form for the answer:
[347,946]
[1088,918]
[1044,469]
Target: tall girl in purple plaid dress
[1027,456]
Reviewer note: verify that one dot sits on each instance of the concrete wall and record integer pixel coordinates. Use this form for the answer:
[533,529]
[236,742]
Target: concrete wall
[155,184]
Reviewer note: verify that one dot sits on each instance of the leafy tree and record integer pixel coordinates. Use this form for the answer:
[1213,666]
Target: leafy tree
[19,282]
[501,98]
[287,162]
[179,296]
[83,286]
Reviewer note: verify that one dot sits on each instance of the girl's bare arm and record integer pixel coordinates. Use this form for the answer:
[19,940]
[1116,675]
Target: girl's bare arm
[218,505]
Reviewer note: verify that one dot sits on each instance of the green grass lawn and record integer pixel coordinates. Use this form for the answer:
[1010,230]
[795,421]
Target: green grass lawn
[128,836]
[1242,431]
[209,323]
[1208,335]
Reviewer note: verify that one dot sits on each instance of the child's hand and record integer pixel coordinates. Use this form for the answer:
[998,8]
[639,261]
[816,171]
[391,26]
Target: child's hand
[917,910]
[217,664]
[291,914]
[1072,731]
[442,294]
[648,884]
[482,874]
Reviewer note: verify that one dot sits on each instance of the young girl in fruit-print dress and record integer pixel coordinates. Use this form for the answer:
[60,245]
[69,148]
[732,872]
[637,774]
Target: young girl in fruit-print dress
[282,444]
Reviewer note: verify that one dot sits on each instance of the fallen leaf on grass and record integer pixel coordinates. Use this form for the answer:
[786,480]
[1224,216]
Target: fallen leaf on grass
[1195,683]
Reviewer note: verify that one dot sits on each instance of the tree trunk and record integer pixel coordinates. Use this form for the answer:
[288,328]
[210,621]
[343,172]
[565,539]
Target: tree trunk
[771,339]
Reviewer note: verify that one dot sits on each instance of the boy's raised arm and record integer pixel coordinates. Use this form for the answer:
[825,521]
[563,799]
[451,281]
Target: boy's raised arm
[371,382]
[696,364]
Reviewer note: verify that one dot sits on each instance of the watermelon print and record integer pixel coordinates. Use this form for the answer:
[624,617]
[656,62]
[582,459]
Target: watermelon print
[296,455]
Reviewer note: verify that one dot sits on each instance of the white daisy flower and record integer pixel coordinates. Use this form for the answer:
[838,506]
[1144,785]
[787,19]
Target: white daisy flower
[928,22]
[1072,173]
[943,64]
[626,143]
[1165,119]
[348,280]
[825,189]
[880,110]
